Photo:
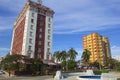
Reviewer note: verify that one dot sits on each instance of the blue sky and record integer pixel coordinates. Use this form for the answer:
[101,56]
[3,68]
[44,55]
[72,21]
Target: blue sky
[72,20]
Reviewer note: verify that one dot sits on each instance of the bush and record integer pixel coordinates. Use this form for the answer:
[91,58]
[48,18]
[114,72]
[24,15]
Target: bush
[97,72]
[118,79]
[36,73]
[105,71]
[54,74]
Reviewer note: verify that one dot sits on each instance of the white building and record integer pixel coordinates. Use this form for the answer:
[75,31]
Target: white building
[117,58]
[32,34]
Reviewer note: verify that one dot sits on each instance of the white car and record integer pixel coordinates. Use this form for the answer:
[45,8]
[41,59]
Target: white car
[1,72]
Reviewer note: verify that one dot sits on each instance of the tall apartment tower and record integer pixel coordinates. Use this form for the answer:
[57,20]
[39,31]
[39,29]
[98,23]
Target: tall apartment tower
[32,34]
[98,46]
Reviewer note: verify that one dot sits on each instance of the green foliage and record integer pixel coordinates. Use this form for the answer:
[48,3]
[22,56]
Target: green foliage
[35,64]
[71,64]
[86,56]
[11,62]
[118,79]
[57,56]
[53,74]
[97,72]
[36,73]
[72,54]
[21,63]
[63,64]
[64,55]
[105,71]
[117,66]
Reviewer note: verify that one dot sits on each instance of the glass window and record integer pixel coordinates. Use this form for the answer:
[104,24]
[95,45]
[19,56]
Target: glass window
[40,36]
[49,19]
[49,31]
[41,17]
[32,14]
[32,20]
[49,37]
[40,43]
[31,27]
[29,47]
[31,34]
[39,49]
[40,29]
[30,40]
[49,25]
[48,43]
[41,24]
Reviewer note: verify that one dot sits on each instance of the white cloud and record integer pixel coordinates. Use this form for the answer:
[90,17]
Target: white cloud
[4,51]
[6,23]
[75,15]
[80,51]
[115,50]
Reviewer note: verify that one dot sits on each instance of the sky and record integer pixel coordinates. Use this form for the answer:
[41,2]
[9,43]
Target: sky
[73,19]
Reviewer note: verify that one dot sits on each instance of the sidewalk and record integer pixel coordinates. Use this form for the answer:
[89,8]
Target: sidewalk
[115,73]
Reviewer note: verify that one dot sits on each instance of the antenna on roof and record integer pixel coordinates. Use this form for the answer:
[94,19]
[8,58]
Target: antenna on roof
[40,1]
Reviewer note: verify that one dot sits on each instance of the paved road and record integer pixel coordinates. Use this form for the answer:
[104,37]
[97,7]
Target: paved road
[26,78]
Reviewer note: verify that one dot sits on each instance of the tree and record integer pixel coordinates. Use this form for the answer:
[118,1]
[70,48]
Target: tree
[86,56]
[35,64]
[57,56]
[72,54]
[11,62]
[71,64]
[64,55]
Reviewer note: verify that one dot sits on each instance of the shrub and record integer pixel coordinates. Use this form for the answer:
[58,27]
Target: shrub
[36,73]
[118,79]
[97,72]
[54,74]
[105,71]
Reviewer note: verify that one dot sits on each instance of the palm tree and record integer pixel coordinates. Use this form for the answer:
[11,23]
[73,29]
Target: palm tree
[72,54]
[64,55]
[57,56]
[86,56]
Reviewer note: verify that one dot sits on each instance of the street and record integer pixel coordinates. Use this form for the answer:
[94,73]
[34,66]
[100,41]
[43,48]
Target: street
[26,78]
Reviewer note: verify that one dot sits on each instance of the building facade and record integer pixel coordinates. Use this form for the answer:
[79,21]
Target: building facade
[32,34]
[117,58]
[98,46]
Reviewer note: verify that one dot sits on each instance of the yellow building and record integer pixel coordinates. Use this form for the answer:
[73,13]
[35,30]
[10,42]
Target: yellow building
[98,46]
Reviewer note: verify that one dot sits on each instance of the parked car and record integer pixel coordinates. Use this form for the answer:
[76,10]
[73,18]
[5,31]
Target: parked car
[1,72]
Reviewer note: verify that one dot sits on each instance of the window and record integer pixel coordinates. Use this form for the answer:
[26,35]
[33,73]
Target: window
[49,25]
[49,31]
[32,20]
[31,34]
[40,29]
[40,43]
[41,17]
[29,47]
[49,19]
[32,14]
[40,36]
[30,41]
[39,49]
[49,37]
[41,24]
[31,27]
[48,50]
[48,43]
